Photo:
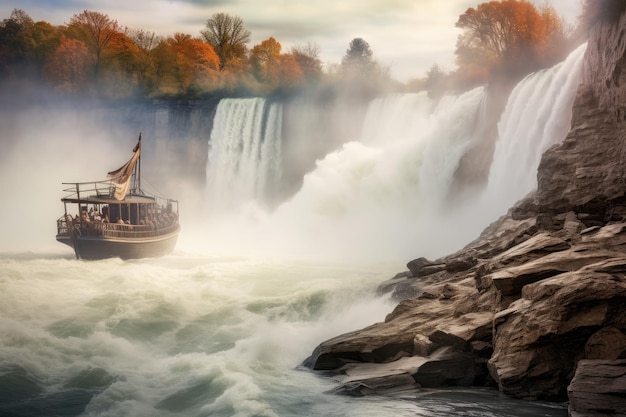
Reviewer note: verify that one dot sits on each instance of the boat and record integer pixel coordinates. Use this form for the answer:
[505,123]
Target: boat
[116,218]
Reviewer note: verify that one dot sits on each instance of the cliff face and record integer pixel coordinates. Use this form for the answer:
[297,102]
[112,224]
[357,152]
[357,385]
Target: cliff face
[540,291]
[588,169]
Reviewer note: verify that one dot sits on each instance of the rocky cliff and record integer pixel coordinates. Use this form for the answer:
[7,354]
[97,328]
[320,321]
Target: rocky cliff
[542,290]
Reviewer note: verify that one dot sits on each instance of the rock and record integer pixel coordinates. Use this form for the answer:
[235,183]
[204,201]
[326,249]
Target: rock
[459,264]
[540,336]
[423,346]
[445,366]
[359,379]
[510,281]
[448,339]
[401,287]
[384,385]
[606,343]
[598,389]
[416,265]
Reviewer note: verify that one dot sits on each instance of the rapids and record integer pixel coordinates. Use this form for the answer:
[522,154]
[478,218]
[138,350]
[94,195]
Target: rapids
[189,336]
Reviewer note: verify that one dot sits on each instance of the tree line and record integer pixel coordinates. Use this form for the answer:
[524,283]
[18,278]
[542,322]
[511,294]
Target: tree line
[94,54]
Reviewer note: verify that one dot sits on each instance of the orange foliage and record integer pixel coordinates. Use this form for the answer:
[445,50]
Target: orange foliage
[263,57]
[285,71]
[274,68]
[509,34]
[69,67]
[197,61]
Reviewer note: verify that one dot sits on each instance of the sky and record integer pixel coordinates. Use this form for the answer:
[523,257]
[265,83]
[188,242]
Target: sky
[408,36]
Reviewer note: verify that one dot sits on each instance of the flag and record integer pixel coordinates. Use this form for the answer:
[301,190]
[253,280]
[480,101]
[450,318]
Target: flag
[121,177]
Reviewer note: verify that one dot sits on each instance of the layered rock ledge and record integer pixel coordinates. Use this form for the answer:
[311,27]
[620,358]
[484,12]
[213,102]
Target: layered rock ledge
[536,305]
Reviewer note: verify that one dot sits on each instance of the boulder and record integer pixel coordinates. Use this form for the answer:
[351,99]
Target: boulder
[598,389]
[606,343]
[444,367]
[538,339]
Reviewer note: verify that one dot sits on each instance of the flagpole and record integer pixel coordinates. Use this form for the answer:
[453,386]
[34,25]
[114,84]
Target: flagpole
[139,177]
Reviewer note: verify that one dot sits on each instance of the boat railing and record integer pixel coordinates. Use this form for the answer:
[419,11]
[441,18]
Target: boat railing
[99,188]
[119,230]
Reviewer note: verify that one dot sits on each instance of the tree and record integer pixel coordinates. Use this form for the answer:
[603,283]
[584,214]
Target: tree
[435,81]
[358,58]
[228,37]
[124,60]
[164,71]
[263,56]
[42,39]
[69,66]
[509,35]
[285,72]
[96,30]
[146,42]
[13,46]
[308,60]
[196,60]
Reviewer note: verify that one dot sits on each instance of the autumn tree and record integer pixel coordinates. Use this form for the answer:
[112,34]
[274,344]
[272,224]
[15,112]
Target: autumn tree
[196,61]
[263,56]
[307,57]
[124,60]
[509,35]
[144,66]
[68,68]
[228,37]
[96,30]
[286,72]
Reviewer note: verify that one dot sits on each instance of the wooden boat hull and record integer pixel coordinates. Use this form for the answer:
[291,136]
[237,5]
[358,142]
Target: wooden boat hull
[100,247]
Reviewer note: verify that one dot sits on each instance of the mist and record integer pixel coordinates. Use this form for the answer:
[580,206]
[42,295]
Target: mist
[307,177]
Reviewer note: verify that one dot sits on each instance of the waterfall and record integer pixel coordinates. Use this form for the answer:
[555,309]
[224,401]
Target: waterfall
[386,194]
[537,115]
[376,195]
[244,158]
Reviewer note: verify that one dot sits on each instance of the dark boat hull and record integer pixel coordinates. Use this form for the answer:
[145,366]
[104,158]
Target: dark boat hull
[99,247]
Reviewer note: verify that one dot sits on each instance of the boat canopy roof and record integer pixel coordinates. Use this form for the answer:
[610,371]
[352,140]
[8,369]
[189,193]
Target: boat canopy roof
[103,192]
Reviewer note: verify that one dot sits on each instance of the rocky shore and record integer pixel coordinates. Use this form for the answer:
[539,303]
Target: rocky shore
[536,305]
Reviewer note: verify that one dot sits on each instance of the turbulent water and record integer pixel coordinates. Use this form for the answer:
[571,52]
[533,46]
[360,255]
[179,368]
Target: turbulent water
[189,336]
[220,327]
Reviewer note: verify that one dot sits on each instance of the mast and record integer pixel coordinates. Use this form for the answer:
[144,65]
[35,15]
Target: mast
[139,165]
